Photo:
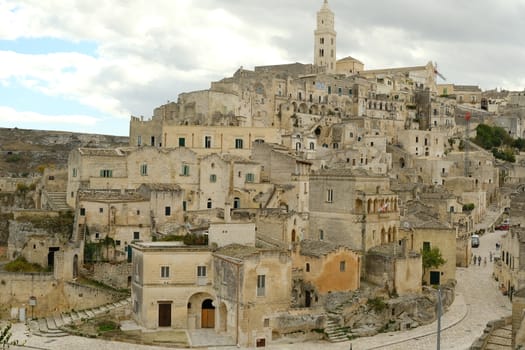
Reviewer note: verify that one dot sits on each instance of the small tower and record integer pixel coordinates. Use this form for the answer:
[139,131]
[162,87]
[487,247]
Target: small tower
[324,39]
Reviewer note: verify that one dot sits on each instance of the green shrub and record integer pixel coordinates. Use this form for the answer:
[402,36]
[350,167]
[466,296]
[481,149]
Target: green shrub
[376,304]
[20,264]
[106,326]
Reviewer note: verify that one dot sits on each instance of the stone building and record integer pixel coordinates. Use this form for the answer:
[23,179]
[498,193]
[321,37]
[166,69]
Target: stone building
[236,290]
[319,268]
[353,208]
[423,231]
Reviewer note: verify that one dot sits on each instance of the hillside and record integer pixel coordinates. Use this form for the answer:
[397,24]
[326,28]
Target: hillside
[23,151]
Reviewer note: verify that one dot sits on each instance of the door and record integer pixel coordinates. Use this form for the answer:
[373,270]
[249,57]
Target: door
[307,299]
[208,314]
[434,277]
[164,315]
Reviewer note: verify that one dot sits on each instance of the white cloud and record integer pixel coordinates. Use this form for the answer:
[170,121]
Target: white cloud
[148,53]
[12,116]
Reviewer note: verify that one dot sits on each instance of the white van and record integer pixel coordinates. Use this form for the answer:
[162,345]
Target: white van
[474,240]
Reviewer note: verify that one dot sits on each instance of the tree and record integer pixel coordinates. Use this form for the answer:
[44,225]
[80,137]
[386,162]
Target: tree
[432,258]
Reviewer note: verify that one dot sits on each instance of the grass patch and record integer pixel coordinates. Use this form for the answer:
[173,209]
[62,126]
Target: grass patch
[20,264]
[107,326]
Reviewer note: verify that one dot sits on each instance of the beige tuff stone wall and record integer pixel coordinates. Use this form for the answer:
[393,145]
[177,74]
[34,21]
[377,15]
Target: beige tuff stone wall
[444,239]
[325,273]
[180,287]
[228,233]
[52,296]
[116,275]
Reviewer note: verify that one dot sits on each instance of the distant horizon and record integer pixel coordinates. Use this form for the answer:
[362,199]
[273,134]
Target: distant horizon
[90,75]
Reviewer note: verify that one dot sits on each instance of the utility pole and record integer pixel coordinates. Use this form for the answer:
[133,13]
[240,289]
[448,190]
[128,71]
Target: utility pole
[439,312]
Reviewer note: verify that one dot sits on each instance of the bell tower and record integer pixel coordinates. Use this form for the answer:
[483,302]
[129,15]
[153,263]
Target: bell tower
[324,39]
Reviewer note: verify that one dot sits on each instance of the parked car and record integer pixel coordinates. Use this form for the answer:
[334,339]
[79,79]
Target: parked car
[502,227]
[474,239]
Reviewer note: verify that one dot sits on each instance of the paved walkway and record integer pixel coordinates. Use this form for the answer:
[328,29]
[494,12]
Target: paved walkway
[478,301]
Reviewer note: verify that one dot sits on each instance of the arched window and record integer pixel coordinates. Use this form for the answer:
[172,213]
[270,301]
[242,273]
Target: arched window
[312,146]
[208,204]
[236,203]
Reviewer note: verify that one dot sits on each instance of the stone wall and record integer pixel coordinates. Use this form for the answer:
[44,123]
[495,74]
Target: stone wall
[116,275]
[52,296]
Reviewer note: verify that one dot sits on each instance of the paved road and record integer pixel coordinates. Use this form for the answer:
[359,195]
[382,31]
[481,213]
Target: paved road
[477,302]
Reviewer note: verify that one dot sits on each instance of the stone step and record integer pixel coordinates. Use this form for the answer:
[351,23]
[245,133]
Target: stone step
[51,323]
[59,321]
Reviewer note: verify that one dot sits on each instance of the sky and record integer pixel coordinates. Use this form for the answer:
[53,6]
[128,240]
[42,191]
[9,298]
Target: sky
[87,66]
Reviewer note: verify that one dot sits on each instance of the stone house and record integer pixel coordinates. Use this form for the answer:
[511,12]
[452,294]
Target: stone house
[353,208]
[423,230]
[172,285]
[319,268]
[253,288]
[232,290]
[395,268]
[509,270]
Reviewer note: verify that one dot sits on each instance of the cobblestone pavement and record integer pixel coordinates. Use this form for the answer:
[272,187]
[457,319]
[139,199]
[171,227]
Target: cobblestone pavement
[477,301]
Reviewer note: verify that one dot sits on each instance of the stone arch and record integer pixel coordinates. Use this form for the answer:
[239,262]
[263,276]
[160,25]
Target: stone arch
[383,236]
[315,109]
[402,163]
[294,105]
[370,206]
[358,205]
[376,203]
[196,317]
[303,108]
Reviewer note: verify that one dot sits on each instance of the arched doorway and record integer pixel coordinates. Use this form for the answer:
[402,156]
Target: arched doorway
[75,266]
[236,203]
[208,314]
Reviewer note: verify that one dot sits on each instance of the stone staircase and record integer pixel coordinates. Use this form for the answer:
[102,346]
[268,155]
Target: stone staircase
[334,331]
[57,201]
[53,326]
[500,339]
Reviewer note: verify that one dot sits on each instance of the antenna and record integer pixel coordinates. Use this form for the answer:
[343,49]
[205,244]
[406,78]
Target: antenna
[438,73]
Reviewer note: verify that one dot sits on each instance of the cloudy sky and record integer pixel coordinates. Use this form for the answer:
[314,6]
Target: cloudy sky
[88,65]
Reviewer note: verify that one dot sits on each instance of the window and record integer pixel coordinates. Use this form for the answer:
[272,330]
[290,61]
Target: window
[307,267]
[184,205]
[321,40]
[330,195]
[82,211]
[261,285]
[342,266]
[139,140]
[164,271]
[426,246]
[201,271]
[117,242]
[238,143]
[321,235]
[153,140]
[207,141]
[250,177]
[167,211]
[97,235]
[144,169]
[136,235]
[182,142]
[106,173]
[74,172]
[101,210]
[213,178]
[185,170]
[209,203]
